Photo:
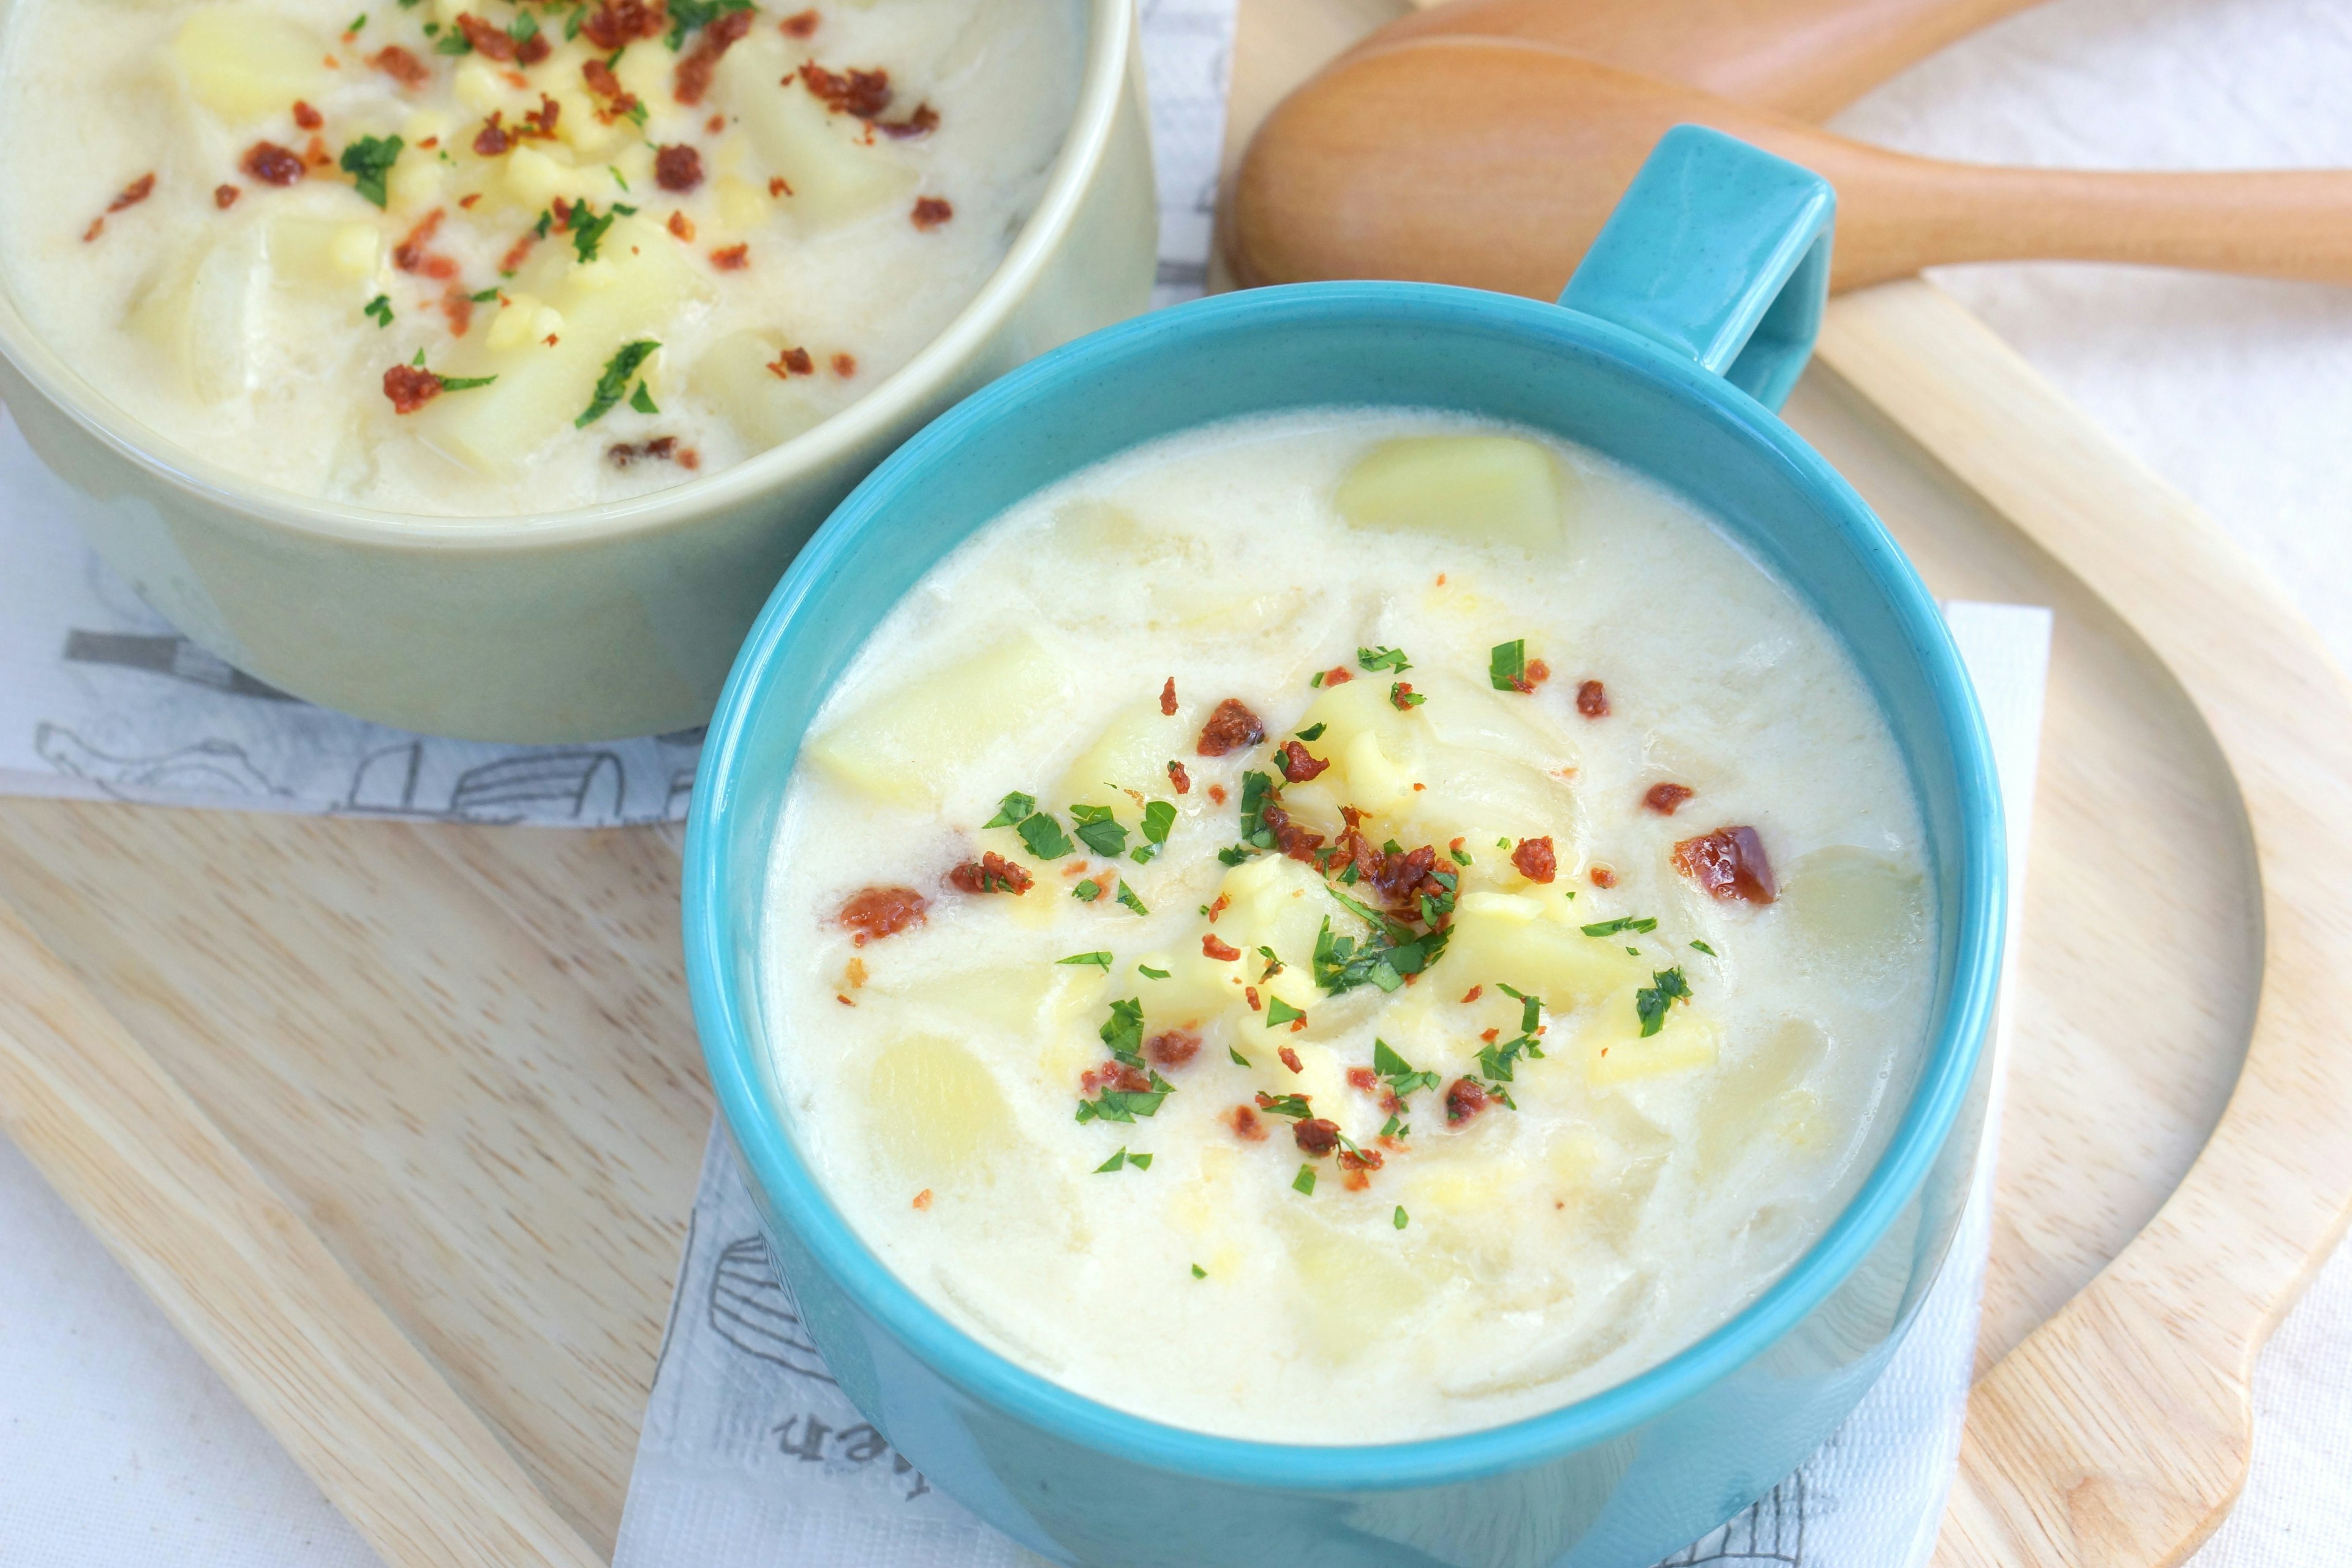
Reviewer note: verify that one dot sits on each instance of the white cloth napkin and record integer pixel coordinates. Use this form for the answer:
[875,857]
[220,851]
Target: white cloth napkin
[750,1457]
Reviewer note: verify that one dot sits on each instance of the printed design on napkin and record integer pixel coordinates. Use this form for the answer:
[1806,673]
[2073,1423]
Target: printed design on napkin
[751,1310]
[1772,1530]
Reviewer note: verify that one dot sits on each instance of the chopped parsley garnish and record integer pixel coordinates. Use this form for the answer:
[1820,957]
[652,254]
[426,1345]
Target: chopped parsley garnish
[546,221]
[1507,666]
[523,28]
[369,162]
[1150,974]
[1400,1075]
[1496,1062]
[1274,965]
[571,23]
[465,383]
[1313,732]
[1132,1161]
[1304,1181]
[613,384]
[1199,1273]
[1012,809]
[1100,960]
[1278,1011]
[642,401]
[1126,895]
[453,43]
[379,309]
[1530,1008]
[1384,958]
[1707,950]
[1256,788]
[1122,1033]
[1666,988]
[1124,1104]
[1291,1105]
[1088,892]
[1140,1161]
[1236,854]
[1403,696]
[588,228]
[1390,658]
[1402,1219]
[1239,1060]
[1159,817]
[1098,830]
[1461,856]
[484,298]
[687,14]
[1622,923]
[357,23]
[1396,1126]
[1042,835]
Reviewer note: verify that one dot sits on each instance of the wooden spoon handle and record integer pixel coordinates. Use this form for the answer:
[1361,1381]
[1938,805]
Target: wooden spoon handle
[2272,223]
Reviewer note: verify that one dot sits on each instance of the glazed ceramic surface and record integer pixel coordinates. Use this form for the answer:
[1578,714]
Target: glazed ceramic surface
[1714,239]
[604,622]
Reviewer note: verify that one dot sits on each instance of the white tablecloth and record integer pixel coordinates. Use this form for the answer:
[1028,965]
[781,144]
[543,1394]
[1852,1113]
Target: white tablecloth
[118,1446]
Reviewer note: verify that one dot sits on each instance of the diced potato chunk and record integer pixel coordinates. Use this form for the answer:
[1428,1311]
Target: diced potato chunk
[1616,1051]
[834,175]
[1494,489]
[934,1114]
[324,252]
[632,291]
[1354,1292]
[243,62]
[1747,1099]
[1132,753]
[1511,939]
[199,314]
[766,409]
[1863,912]
[904,745]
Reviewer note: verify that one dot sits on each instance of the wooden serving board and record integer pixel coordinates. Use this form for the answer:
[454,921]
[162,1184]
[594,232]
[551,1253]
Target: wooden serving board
[400,1123]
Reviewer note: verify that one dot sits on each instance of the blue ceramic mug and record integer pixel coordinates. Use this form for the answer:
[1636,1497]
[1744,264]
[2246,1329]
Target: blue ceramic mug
[1688,322]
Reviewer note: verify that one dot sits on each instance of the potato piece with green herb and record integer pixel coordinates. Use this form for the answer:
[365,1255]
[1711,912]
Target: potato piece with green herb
[1487,489]
[1131,754]
[243,62]
[934,1113]
[904,744]
[1616,1051]
[1513,940]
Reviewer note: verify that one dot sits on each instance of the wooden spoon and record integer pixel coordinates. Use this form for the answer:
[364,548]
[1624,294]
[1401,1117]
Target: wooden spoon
[1808,58]
[1493,163]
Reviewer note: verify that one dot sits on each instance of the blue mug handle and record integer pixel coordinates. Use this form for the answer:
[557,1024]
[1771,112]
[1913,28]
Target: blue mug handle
[1718,252]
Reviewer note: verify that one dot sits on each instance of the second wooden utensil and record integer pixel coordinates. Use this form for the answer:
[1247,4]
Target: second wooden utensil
[1493,163]
[1804,57]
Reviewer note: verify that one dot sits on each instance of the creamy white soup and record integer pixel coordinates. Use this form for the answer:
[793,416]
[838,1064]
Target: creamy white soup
[469,257]
[1347,928]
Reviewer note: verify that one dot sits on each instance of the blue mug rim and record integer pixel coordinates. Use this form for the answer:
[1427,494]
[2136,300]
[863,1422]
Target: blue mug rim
[982,1374]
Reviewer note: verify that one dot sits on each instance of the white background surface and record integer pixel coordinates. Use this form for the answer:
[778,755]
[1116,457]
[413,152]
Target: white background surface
[111,1430]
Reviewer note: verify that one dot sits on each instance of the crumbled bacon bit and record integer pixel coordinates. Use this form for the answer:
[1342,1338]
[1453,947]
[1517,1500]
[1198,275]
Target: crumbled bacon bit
[792,363]
[618,23]
[458,308]
[1168,699]
[490,41]
[914,128]
[1173,1047]
[1466,1099]
[1601,876]
[1490,1035]
[677,167]
[409,255]
[315,153]
[842,1000]
[1295,764]
[616,99]
[1364,1078]
[715,125]
[1290,1059]
[225,195]
[1289,837]
[992,873]
[682,225]
[692,77]
[1247,1123]
[1337,674]
[1473,993]
[1218,908]
[1534,859]
[1315,1136]
[1250,991]
[1360,1160]
[1592,699]
[689,459]
[410,388]
[732,258]
[1232,727]
[1729,863]
[517,252]
[844,365]
[876,912]
[272,164]
[861,93]
[799,25]
[400,66]
[540,121]
[1223,952]
[1401,698]
[468,199]
[923,1199]
[1217,794]
[1178,777]
[1663,799]
[931,212]
[662,448]
[1115,1074]
[307,118]
[1537,672]
[855,973]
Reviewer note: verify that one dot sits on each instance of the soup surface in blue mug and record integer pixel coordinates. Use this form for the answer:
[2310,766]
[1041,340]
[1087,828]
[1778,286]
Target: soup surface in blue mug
[1349,927]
